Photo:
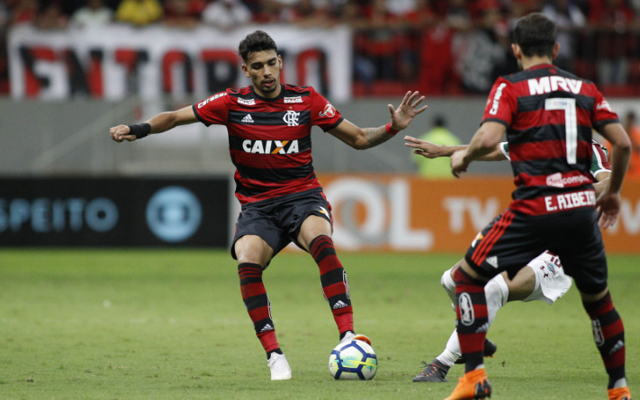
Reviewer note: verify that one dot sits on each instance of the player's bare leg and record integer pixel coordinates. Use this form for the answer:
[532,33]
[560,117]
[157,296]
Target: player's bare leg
[253,254]
[315,237]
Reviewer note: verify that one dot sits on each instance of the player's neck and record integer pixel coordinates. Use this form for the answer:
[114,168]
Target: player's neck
[528,62]
[269,95]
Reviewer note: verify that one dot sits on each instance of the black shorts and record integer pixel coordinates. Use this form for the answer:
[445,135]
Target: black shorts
[513,239]
[278,223]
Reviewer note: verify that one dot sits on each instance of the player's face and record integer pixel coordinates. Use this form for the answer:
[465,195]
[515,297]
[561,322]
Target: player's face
[263,68]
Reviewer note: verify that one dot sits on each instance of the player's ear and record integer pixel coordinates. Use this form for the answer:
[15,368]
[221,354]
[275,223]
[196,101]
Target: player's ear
[245,71]
[280,63]
[517,51]
[556,49]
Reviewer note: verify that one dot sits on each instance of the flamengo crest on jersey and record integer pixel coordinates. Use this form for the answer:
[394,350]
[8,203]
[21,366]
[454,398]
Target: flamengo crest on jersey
[291,118]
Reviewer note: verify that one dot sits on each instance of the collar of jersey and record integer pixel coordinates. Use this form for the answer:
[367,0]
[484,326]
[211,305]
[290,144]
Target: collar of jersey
[281,95]
[539,66]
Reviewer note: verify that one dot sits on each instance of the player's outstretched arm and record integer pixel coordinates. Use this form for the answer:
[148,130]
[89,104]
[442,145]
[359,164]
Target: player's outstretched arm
[431,150]
[364,138]
[157,124]
[484,142]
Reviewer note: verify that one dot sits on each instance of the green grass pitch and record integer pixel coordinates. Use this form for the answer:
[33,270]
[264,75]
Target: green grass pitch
[160,324]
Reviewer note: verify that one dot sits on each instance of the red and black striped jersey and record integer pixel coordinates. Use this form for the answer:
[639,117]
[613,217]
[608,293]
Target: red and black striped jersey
[270,139]
[549,114]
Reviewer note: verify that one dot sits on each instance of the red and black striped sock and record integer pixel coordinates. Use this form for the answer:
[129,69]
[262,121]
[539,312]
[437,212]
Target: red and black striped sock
[472,318]
[608,333]
[334,281]
[257,303]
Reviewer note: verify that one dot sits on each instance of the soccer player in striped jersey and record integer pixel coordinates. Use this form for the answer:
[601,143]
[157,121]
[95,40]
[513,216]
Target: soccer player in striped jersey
[548,115]
[269,126]
[542,279]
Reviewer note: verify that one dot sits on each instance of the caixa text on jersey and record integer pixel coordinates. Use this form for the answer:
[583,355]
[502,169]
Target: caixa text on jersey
[271,146]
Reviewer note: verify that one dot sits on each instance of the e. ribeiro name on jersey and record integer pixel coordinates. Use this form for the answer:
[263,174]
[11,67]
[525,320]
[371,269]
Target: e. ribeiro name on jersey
[270,139]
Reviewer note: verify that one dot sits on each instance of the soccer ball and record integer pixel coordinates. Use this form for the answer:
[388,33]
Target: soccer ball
[353,360]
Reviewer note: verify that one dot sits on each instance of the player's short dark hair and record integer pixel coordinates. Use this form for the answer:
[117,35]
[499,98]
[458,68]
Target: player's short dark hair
[536,35]
[255,42]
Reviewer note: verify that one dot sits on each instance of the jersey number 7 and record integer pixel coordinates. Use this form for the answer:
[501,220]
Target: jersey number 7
[570,124]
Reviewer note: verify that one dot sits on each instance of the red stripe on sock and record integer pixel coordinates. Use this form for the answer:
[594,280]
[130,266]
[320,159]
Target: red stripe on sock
[474,342]
[335,289]
[259,314]
[252,289]
[344,319]
[615,360]
[268,340]
[613,329]
[319,243]
[329,264]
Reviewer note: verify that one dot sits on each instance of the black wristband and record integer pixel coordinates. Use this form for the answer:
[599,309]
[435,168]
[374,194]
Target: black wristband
[140,130]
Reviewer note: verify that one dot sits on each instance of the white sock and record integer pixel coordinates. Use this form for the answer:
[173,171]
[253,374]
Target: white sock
[497,293]
[449,285]
[451,351]
[622,382]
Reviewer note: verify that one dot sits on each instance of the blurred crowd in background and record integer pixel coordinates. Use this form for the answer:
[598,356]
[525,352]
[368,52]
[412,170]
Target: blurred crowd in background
[439,47]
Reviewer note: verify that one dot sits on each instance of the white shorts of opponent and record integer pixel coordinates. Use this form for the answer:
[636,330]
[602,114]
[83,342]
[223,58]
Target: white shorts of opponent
[551,281]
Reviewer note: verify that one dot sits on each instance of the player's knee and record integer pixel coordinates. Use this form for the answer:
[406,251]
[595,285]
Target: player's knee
[592,293]
[248,249]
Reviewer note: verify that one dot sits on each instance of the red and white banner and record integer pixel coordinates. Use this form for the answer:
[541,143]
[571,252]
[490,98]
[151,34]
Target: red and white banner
[117,61]
[408,213]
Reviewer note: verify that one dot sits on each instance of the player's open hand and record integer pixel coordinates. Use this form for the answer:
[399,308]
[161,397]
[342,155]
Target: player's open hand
[120,133]
[608,206]
[402,117]
[458,164]
[423,147]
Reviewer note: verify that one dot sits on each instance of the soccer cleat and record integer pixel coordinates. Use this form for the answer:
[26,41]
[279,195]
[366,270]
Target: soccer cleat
[280,370]
[622,393]
[349,336]
[472,386]
[434,372]
[490,349]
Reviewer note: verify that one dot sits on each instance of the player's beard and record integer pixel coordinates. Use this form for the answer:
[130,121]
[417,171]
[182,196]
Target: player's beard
[267,89]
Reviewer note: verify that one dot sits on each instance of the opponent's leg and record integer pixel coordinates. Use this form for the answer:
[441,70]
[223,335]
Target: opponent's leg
[252,253]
